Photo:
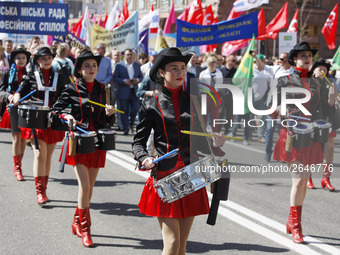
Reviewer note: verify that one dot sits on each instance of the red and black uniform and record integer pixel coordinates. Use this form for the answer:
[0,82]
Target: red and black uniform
[169,113]
[7,89]
[29,84]
[309,155]
[88,117]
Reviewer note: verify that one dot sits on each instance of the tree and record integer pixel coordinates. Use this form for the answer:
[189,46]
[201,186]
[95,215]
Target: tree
[304,15]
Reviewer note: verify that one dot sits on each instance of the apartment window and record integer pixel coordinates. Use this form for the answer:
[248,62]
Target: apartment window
[165,3]
[152,2]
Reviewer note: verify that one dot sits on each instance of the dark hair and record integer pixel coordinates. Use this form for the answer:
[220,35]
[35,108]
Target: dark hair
[143,55]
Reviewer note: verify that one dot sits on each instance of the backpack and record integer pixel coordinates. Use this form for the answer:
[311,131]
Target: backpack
[65,69]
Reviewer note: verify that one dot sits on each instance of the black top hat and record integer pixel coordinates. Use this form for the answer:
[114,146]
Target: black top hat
[165,57]
[43,51]
[19,51]
[320,62]
[85,55]
[301,46]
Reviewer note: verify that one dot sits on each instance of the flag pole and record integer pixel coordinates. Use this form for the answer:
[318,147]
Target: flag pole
[274,47]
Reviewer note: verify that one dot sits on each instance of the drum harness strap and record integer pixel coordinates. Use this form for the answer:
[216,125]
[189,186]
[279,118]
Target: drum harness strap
[46,89]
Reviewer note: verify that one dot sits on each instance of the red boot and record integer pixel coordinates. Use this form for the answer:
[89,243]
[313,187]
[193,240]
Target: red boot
[310,184]
[326,183]
[45,188]
[17,167]
[39,183]
[325,177]
[294,224]
[84,215]
[76,224]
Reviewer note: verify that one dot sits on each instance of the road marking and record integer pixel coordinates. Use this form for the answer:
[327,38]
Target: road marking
[129,163]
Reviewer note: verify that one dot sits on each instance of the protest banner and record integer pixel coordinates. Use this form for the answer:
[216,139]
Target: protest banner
[71,39]
[239,28]
[121,38]
[33,18]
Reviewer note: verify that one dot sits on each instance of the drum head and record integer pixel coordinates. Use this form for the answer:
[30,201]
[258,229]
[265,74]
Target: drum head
[303,128]
[321,124]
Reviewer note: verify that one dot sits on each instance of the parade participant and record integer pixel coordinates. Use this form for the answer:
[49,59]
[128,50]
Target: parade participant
[327,102]
[300,56]
[90,118]
[168,113]
[10,83]
[44,80]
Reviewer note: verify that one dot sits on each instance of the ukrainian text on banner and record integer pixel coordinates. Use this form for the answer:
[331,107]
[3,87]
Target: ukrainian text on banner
[70,39]
[240,28]
[121,38]
[33,18]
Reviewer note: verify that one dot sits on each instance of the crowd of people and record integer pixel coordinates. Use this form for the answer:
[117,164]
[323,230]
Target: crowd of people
[154,91]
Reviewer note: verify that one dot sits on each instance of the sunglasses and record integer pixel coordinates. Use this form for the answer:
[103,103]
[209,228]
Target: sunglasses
[282,59]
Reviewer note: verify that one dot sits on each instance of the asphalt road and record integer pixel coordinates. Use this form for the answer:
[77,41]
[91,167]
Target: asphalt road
[252,221]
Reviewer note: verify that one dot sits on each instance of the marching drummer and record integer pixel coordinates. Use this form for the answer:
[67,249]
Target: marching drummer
[88,117]
[298,159]
[168,113]
[327,97]
[10,83]
[47,86]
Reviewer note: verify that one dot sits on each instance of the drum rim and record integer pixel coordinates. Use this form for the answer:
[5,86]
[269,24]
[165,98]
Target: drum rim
[79,134]
[34,107]
[326,125]
[307,130]
[106,131]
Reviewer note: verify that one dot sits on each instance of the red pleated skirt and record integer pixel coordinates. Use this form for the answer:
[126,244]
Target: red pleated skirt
[95,159]
[49,136]
[5,122]
[332,134]
[309,155]
[150,204]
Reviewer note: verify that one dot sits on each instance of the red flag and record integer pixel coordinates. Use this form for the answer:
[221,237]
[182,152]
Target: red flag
[125,13]
[233,14]
[152,9]
[330,27]
[294,23]
[195,14]
[105,20]
[261,25]
[77,27]
[208,16]
[184,15]
[278,22]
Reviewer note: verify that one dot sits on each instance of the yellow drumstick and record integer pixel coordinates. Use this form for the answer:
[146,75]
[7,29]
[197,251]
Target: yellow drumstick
[209,135]
[331,84]
[92,102]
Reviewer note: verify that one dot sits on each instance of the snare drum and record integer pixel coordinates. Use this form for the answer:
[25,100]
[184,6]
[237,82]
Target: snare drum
[32,116]
[322,129]
[106,139]
[85,142]
[187,179]
[302,135]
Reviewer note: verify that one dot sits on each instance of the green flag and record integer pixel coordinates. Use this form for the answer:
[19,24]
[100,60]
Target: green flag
[336,60]
[244,74]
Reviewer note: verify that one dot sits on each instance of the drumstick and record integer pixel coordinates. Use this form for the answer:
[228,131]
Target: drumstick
[209,135]
[299,118]
[331,84]
[92,102]
[24,97]
[80,129]
[163,157]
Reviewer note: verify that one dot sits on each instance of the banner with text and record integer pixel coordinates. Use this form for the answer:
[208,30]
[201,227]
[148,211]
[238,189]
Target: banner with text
[189,34]
[121,38]
[33,18]
[71,39]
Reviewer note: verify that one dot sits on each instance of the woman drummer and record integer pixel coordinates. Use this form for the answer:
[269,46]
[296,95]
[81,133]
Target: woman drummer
[326,112]
[91,118]
[10,83]
[40,81]
[298,159]
[167,113]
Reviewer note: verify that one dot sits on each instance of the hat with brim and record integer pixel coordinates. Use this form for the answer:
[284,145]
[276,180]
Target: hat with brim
[19,51]
[43,51]
[301,46]
[85,55]
[320,62]
[167,56]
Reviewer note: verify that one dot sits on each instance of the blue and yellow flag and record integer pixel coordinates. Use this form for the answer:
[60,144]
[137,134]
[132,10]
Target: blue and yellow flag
[336,60]
[244,74]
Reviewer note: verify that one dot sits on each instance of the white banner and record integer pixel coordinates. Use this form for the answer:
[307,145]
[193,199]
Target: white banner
[121,38]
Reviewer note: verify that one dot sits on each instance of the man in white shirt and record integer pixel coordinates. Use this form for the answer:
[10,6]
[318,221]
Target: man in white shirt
[275,72]
[147,66]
